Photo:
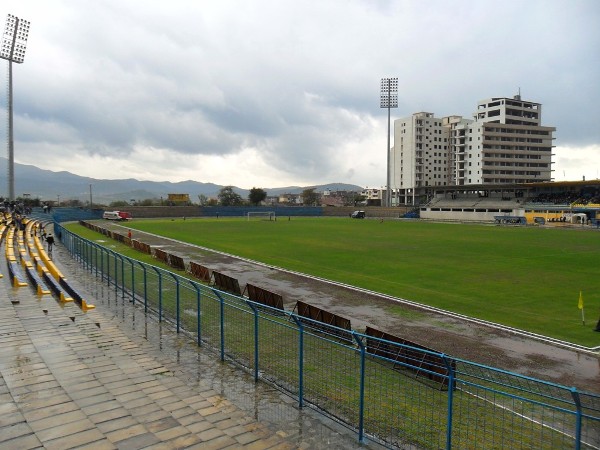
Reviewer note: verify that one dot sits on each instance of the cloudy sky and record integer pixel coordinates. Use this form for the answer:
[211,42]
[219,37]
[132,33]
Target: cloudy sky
[272,93]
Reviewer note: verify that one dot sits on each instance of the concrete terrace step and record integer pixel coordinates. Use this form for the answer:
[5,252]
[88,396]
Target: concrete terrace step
[74,380]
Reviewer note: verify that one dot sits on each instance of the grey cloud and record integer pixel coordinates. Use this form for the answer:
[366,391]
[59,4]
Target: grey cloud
[295,81]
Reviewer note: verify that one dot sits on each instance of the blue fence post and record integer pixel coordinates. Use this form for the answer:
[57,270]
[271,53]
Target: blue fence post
[88,255]
[122,276]
[159,293]
[451,382]
[222,323]
[113,273]
[300,360]
[82,250]
[145,288]
[177,303]
[132,280]
[198,315]
[96,260]
[72,245]
[251,305]
[107,271]
[578,417]
[93,256]
[116,279]
[361,401]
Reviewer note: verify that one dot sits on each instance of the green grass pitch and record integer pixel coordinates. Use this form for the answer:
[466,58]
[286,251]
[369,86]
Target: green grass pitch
[524,277]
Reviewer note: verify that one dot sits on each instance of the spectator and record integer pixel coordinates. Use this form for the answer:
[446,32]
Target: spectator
[50,242]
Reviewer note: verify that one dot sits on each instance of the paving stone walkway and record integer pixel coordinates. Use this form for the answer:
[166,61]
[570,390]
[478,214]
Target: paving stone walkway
[70,379]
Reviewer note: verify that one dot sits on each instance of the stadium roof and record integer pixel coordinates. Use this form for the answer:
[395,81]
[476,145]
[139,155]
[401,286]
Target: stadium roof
[516,186]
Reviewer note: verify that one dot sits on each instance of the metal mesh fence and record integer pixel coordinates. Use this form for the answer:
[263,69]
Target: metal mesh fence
[402,396]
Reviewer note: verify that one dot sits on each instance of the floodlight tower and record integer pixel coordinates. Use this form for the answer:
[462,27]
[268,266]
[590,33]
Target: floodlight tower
[389,99]
[14,42]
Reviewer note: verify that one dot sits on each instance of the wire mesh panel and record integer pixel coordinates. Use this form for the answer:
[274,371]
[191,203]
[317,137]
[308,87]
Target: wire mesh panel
[210,318]
[590,427]
[332,377]
[169,295]
[190,300]
[153,288]
[279,344]
[401,409]
[499,409]
[406,392]
[239,327]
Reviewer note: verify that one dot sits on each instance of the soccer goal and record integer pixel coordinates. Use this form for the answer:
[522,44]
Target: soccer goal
[261,215]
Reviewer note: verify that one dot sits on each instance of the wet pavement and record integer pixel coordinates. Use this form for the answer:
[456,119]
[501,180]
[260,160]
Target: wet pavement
[115,378]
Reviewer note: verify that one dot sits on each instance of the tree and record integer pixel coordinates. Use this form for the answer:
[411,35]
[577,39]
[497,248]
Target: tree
[310,197]
[73,203]
[356,199]
[203,199]
[256,195]
[227,197]
[118,204]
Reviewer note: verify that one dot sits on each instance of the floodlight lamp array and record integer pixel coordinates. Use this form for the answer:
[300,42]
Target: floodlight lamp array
[389,93]
[14,39]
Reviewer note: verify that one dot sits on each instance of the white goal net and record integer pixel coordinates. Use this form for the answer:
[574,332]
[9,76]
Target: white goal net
[261,215]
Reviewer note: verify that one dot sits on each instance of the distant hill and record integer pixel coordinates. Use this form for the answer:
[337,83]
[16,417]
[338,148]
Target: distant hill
[49,185]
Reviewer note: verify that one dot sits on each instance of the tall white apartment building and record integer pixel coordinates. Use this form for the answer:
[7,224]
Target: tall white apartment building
[504,143]
[420,151]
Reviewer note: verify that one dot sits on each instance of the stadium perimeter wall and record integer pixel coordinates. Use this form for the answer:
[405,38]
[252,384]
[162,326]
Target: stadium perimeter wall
[151,212]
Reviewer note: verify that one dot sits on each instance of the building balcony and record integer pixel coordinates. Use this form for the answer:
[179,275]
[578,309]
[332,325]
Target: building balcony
[517,143]
[512,153]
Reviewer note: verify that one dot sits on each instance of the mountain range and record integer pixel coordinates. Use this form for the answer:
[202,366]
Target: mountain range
[61,186]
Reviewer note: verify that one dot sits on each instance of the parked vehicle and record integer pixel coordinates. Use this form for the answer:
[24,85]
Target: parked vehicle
[124,215]
[116,215]
[358,215]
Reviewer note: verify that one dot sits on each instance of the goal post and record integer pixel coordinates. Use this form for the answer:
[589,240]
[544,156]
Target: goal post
[261,215]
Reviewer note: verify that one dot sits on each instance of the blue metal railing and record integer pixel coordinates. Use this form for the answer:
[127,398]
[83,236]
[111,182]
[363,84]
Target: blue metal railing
[382,398]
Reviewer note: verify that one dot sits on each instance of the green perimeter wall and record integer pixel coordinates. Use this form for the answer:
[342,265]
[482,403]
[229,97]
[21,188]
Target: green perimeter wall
[198,211]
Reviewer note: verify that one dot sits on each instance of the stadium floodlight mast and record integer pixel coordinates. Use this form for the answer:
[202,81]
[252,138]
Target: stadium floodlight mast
[389,99]
[14,42]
